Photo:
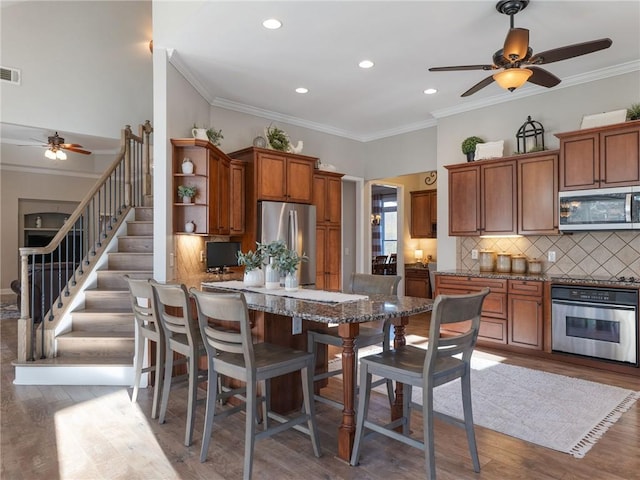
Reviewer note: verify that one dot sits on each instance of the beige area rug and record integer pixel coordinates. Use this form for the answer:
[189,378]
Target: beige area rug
[562,413]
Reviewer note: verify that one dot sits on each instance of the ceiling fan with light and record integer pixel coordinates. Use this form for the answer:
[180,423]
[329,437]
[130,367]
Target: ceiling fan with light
[56,147]
[516,59]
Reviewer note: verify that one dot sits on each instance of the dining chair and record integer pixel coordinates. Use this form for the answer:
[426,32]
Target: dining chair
[370,333]
[173,309]
[147,330]
[379,262]
[444,360]
[231,352]
[391,268]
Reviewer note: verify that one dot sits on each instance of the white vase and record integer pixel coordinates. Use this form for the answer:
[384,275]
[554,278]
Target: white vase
[186,199]
[189,227]
[200,133]
[187,166]
[253,278]
[271,276]
[291,282]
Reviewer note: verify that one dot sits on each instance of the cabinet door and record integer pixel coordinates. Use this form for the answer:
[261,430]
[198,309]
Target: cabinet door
[320,198]
[525,321]
[499,198]
[464,201]
[328,248]
[237,196]
[579,162]
[272,177]
[620,157]
[299,181]
[222,197]
[416,283]
[334,200]
[421,214]
[538,196]
[434,211]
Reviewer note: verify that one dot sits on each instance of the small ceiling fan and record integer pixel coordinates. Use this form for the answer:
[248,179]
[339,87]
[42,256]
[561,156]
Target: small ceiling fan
[516,58]
[56,146]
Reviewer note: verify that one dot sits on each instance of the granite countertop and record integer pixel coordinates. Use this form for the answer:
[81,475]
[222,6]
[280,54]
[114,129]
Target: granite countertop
[553,278]
[507,276]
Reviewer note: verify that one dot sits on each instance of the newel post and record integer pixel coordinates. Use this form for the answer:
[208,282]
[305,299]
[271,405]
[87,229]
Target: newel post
[128,188]
[25,325]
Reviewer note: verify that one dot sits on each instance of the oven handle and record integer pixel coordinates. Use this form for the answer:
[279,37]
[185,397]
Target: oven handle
[610,306]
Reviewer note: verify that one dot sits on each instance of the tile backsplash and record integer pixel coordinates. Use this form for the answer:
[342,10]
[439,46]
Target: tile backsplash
[599,253]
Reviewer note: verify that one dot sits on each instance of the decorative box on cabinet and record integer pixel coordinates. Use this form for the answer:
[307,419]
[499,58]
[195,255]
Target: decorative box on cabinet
[416,282]
[327,197]
[423,213]
[280,176]
[210,209]
[600,157]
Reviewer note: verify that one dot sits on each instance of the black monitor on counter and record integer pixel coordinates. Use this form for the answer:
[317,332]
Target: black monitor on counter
[221,255]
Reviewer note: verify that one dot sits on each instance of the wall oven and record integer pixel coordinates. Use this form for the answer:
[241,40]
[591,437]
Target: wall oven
[595,322]
[600,209]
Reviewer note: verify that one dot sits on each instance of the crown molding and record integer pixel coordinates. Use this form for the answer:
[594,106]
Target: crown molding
[175,60]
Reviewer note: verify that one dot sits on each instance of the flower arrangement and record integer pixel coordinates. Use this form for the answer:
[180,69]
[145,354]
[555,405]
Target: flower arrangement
[633,112]
[273,249]
[215,136]
[277,138]
[251,260]
[186,191]
[288,261]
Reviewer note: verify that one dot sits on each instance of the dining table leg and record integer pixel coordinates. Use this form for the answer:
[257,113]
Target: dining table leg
[399,340]
[347,430]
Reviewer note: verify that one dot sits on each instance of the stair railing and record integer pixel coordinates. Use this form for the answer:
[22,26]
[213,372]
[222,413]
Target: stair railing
[50,275]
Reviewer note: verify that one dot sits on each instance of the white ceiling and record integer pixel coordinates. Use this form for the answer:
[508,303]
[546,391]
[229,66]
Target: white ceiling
[221,47]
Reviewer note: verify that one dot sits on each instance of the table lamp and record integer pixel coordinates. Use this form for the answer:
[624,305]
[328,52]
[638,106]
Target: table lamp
[418,254]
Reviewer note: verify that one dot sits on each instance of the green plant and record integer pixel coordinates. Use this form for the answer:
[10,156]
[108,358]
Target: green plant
[215,136]
[469,144]
[273,249]
[252,259]
[187,191]
[288,261]
[633,112]
[277,138]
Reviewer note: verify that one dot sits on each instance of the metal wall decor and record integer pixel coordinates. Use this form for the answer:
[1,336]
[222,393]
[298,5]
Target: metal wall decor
[431,177]
[530,136]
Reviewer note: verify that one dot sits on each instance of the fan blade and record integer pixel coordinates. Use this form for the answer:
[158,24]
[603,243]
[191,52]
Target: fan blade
[77,150]
[462,67]
[543,78]
[570,51]
[69,145]
[516,44]
[478,86]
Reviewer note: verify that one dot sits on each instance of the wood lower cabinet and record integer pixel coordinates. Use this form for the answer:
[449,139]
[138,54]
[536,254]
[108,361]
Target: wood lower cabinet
[600,157]
[526,313]
[512,314]
[328,247]
[424,213]
[416,282]
[210,210]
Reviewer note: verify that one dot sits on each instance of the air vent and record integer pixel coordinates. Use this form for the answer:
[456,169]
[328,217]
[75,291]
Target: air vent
[11,75]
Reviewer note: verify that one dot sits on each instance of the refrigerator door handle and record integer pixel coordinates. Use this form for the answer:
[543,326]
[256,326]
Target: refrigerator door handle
[293,230]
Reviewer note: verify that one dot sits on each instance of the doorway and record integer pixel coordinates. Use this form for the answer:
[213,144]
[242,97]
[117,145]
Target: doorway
[384,229]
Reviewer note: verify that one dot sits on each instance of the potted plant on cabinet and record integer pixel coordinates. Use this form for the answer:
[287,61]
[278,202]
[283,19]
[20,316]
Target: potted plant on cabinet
[215,136]
[252,262]
[277,138]
[469,147]
[271,252]
[187,192]
[287,263]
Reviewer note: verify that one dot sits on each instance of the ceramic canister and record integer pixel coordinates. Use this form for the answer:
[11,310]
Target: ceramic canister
[518,263]
[503,262]
[535,266]
[487,259]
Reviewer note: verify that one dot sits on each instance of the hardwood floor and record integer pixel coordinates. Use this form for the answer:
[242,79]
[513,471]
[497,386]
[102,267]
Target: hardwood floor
[84,433]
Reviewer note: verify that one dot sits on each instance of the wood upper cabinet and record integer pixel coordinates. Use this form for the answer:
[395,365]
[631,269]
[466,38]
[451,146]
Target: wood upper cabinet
[600,157]
[424,213]
[483,199]
[210,210]
[327,197]
[284,177]
[237,195]
[513,195]
[538,194]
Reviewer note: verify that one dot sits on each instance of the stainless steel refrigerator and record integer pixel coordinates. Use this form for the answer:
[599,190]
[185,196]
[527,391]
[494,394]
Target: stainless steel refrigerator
[295,224]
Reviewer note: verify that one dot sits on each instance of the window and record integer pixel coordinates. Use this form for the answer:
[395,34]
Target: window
[389,226]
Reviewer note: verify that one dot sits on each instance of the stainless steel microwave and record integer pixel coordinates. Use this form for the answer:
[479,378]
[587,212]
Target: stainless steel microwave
[600,209]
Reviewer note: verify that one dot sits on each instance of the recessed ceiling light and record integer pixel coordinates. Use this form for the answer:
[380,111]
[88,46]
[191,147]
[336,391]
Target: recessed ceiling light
[272,23]
[302,90]
[366,64]
[430,91]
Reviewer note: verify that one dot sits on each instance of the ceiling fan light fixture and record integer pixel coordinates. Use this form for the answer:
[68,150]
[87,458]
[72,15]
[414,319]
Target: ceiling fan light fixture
[512,78]
[60,155]
[50,154]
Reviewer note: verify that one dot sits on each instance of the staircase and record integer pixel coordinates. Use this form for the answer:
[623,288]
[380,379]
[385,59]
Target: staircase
[100,346]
